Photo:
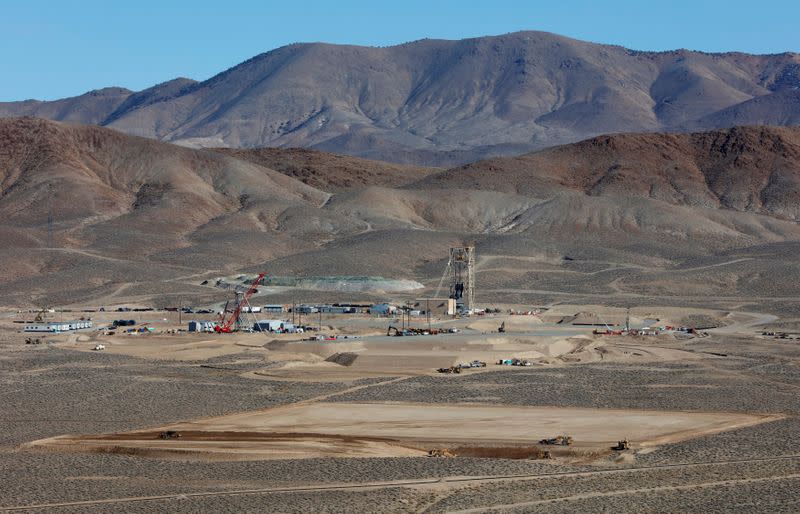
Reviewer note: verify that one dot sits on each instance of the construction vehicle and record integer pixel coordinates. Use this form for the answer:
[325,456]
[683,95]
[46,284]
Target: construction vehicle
[607,332]
[169,434]
[99,347]
[450,370]
[229,324]
[559,440]
[41,315]
[514,362]
[411,331]
[502,328]
[30,340]
[473,364]
[622,445]
[440,452]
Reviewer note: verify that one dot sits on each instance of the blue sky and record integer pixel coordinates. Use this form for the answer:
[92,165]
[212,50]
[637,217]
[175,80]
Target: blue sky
[57,48]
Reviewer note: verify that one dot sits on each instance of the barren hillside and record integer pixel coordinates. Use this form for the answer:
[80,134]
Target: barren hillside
[89,212]
[439,102]
[747,169]
[330,172]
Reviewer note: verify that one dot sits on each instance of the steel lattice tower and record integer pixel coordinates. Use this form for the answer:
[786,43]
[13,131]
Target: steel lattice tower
[462,274]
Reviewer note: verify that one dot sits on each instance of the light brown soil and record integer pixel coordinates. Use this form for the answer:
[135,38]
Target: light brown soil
[403,429]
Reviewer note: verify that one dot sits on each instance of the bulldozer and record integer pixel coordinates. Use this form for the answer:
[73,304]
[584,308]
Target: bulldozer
[559,440]
[622,445]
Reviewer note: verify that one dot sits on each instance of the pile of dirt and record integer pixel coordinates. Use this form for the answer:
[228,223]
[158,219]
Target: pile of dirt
[343,358]
[701,321]
[591,319]
[501,452]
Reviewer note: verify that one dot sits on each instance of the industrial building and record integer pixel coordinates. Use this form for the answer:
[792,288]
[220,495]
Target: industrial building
[58,326]
[336,309]
[383,309]
[437,306]
[275,325]
[202,326]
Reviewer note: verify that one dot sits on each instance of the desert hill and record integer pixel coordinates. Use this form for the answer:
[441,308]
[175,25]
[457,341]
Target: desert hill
[441,102]
[748,169]
[91,213]
[104,204]
[327,171]
[93,107]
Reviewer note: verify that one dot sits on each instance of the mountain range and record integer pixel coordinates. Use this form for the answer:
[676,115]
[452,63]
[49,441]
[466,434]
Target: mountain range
[92,213]
[442,103]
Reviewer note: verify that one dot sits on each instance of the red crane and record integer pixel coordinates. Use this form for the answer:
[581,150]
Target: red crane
[226,325]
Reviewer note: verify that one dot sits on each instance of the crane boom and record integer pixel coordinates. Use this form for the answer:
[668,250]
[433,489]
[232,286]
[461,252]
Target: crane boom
[226,325]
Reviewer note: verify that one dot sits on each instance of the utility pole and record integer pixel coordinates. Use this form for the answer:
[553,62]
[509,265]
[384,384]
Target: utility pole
[320,319]
[180,310]
[428,312]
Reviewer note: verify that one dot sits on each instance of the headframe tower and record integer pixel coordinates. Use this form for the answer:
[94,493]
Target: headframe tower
[462,277]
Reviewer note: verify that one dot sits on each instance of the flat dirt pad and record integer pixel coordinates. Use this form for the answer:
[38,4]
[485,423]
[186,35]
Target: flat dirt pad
[402,429]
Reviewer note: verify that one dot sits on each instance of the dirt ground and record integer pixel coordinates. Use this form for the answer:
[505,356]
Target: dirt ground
[319,429]
[369,407]
[362,349]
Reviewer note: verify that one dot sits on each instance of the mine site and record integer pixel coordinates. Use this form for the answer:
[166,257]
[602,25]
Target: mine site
[521,272]
[429,402]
